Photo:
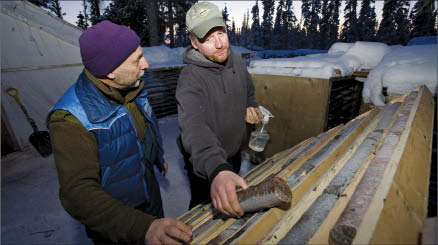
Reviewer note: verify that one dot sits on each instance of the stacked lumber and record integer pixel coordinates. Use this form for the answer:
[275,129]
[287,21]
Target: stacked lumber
[362,182]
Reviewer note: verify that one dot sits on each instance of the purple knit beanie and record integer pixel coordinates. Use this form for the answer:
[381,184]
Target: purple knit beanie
[105,46]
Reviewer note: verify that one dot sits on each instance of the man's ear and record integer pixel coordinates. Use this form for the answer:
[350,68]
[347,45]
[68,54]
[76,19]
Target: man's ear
[111,76]
[194,43]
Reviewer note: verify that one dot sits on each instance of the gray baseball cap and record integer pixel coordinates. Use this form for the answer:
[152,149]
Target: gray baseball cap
[202,17]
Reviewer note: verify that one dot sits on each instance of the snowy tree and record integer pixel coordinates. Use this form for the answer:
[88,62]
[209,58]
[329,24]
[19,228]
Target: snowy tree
[245,30]
[305,15]
[387,26]
[182,6]
[402,22]
[393,27]
[94,11]
[325,24]
[255,36]
[232,33]
[81,21]
[267,23]
[85,13]
[312,29]
[334,6]
[52,5]
[151,12]
[423,18]
[289,30]
[131,13]
[349,28]
[277,42]
[225,16]
[367,23]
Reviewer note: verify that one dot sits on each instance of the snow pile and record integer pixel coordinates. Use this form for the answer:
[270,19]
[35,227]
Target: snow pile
[423,40]
[346,58]
[402,70]
[162,56]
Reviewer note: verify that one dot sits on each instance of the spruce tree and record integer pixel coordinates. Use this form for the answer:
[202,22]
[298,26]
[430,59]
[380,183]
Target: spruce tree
[289,30]
[349,28]
[305,16]
[267,23]
[52,5]
[232,33]
[278,27]
[313,32]
[334,6]
[423,18]
[180,9]
[85,6]
[325,24]
[131,13]
[393,28]
[225,16]
[81,21]
[94,11]
[367,23]
[387,26]
[255,36]
[401,22]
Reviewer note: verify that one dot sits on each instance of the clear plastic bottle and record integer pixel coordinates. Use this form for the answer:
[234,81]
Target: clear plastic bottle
[259,137]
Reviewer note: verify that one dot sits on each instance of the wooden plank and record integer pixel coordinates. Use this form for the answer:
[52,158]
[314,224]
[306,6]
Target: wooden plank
[347,226]
[403,198]
[321,236]
[299,105]
[362,73]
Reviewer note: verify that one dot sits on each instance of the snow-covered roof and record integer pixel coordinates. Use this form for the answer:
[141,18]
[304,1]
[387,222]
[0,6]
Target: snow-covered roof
[341,60]
[163,57]
[402,70]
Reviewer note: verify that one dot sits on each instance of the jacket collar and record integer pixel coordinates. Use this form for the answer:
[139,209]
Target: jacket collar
[97,99]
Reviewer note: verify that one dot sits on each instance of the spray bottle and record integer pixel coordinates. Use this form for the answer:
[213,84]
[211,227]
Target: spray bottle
[259,137]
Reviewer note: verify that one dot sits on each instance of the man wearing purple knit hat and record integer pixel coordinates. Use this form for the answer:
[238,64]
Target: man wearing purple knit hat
[106,141]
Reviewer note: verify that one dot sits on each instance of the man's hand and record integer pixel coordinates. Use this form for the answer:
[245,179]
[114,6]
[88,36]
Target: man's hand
[168,231]
[223,193]
[253,115]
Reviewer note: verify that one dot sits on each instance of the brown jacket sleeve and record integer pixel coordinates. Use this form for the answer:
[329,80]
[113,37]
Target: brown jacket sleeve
[76,157]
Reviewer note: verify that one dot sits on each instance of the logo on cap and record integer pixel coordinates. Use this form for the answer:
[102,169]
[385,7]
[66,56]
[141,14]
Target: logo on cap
[203,13]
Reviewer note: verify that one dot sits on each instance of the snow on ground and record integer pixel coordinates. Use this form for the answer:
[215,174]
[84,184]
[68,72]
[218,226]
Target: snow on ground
[402,70]
[346,58]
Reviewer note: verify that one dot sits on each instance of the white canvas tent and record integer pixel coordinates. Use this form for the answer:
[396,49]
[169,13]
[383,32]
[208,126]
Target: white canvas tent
[40,58]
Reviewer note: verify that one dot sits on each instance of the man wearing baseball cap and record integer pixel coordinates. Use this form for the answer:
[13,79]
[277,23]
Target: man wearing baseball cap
[215,101]
[106,140]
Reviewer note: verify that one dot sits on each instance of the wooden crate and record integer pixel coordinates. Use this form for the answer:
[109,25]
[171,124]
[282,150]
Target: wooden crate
[305,107]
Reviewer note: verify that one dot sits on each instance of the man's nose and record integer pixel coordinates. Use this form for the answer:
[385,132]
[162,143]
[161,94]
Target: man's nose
[217,42]
[144,63]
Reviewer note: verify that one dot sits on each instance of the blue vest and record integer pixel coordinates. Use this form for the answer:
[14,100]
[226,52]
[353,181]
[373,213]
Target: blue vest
[123,158]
